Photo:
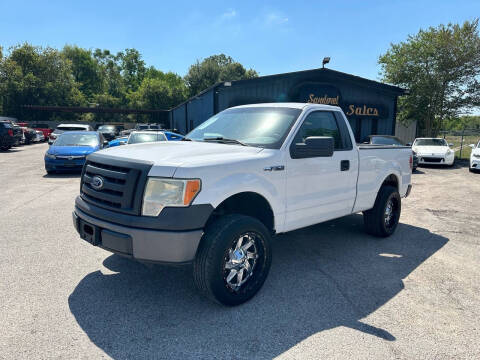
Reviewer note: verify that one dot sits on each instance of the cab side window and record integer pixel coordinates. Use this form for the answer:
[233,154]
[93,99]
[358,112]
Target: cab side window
[319,123]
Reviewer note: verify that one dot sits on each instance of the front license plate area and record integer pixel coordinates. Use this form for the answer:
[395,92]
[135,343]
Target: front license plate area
[89,232]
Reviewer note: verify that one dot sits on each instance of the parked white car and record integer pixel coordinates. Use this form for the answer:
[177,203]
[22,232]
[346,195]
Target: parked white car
[433,151]
[475,157]
[39,137]
[67,127]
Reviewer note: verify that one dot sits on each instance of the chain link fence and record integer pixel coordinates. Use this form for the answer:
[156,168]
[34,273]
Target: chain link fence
[461,140]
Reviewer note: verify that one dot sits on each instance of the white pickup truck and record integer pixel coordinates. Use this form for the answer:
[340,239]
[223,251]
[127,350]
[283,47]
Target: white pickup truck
[241,177]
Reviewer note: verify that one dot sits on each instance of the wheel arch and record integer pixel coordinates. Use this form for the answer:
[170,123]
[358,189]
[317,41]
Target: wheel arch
[246,203]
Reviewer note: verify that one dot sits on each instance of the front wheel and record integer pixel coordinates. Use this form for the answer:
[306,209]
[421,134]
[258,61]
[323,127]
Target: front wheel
[383,219]
[233,259]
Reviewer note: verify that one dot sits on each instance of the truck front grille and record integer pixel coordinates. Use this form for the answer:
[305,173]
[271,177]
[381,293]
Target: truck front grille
[123,183]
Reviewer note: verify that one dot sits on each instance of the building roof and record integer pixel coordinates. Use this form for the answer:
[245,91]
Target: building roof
[398,91]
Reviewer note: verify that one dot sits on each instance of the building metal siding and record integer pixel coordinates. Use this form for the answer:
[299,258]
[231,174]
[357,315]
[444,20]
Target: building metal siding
[296,87]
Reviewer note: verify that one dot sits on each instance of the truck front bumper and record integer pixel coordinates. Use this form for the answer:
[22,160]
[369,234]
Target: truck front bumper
[143,244]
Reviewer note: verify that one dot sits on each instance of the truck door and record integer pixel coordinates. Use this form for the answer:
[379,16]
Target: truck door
[321,188]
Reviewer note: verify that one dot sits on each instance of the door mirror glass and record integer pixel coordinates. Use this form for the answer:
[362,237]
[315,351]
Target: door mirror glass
[314,146]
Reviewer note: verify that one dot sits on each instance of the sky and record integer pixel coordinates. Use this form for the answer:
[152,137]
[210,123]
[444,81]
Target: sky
[269,36]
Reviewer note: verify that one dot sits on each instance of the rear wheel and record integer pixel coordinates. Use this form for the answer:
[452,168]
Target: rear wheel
[383,219]
[233,259]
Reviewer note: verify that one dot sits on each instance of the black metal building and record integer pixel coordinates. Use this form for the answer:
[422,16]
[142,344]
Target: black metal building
[370,106]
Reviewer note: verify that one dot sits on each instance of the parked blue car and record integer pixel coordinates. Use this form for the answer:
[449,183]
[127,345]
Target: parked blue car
[69,150]
[171,136]
[118,141]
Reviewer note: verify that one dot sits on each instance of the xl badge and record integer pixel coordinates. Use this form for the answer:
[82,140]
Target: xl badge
[97,183]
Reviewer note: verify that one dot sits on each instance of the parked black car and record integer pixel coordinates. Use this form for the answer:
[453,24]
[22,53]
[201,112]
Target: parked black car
[391,140]
[7,138]
[109,132]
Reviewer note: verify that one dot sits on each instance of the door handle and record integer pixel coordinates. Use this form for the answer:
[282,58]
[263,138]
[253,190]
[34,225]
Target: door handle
[344,165]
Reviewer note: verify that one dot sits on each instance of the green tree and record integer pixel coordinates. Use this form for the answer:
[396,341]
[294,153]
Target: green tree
[32,75]
[159,91]
[214,69]
[441,68]
[132,68]
[85,70]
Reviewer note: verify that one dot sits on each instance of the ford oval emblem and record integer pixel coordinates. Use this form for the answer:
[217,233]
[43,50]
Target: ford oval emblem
[97,182]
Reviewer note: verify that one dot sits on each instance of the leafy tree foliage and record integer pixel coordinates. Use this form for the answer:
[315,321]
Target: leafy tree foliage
[214,69]
[35,75]
[32,75]
[441,68]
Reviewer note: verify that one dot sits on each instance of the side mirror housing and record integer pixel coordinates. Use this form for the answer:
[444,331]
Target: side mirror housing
[314,146]
[409,144]
[472,146]
[450,144]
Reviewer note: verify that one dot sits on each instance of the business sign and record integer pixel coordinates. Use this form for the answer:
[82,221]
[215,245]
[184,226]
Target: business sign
[326,94]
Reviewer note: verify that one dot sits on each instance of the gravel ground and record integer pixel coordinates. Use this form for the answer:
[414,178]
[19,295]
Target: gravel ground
[333,292]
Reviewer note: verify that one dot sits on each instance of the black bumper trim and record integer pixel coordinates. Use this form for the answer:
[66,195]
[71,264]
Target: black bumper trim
[170,219]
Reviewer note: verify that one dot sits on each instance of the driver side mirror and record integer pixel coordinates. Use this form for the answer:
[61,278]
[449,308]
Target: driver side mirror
[105,143]
[450,144]
[314,146]
[472,146]
[408,144]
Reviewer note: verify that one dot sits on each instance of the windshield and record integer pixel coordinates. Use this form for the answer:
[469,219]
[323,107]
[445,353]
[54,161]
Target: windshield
[136,138]
[385,140]
[68,139]
[71,128]
[106,127]
[430,142]
[257,126]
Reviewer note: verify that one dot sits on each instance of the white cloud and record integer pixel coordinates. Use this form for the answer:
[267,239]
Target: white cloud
[275,19]
[229,14]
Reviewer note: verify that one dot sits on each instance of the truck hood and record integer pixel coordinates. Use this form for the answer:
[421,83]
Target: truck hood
[437,150]
[168,156]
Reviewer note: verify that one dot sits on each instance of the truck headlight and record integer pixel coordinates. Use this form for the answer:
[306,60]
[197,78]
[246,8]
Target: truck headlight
[161,192]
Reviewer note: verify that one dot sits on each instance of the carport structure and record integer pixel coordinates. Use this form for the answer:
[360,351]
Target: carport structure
[157,116]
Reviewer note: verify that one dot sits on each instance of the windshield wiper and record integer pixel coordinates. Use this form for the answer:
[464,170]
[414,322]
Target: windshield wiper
[224,140]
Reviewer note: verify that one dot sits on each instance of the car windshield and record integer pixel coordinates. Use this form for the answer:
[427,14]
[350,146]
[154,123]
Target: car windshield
[256,126]
[385,140]
[69,139]
[136,138]
[431,142]
[106,127]
[71,128]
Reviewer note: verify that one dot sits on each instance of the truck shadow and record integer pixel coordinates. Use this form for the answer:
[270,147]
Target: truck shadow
[322,277]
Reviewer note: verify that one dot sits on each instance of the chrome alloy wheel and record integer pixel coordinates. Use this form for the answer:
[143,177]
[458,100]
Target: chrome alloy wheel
[240,261]
[390,213]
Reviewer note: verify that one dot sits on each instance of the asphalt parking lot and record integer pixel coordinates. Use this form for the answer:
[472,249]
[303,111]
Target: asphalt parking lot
[333,291]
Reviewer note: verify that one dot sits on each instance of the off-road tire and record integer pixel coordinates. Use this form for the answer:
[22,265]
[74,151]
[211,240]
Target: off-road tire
[374,219]
[208,266]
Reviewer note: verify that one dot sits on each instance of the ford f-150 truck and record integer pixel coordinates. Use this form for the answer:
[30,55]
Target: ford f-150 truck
[217,198]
